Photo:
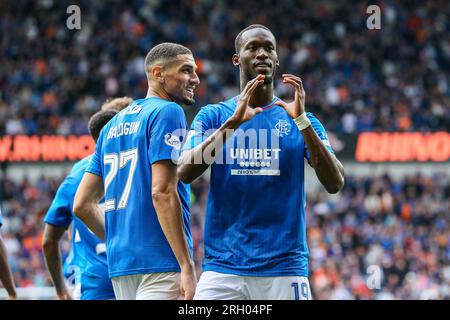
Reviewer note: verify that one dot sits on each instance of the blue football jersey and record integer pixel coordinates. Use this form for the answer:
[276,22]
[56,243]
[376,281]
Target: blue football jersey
[70,269]
[255,215]
[88,251]
[1,219]
[147,131]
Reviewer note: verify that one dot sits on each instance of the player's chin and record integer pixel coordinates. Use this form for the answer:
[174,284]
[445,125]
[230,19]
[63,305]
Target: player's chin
[188,101]
[269,76]
[268,79]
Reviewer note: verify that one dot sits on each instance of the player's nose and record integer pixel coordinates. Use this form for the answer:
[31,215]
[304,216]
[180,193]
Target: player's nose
[261,54]
[195,80]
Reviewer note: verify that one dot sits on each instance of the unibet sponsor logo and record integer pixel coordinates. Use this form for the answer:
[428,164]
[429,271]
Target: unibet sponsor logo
[257,159]
[255,154]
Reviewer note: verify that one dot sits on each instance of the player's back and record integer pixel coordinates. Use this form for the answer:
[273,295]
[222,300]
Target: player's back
[88,254]
[89,251]
[128,145]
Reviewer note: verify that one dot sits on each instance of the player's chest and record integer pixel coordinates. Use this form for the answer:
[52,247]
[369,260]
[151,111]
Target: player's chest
[264,141]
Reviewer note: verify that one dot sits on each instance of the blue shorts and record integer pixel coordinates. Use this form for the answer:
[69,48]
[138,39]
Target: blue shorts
[96,288]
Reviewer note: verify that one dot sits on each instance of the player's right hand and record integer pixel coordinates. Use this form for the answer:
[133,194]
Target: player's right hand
[188,282]
[243,112]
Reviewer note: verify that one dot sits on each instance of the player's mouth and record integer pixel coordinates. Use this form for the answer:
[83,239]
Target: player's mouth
[262,66]
[190,91]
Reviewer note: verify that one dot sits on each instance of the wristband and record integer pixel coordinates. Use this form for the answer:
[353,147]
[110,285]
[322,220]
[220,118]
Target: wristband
[302,122]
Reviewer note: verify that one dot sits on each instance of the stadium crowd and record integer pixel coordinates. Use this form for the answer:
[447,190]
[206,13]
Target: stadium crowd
[400,226]
[396,78]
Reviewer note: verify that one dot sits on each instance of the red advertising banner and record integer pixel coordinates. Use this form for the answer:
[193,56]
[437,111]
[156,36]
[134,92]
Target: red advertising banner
[47,148]
[403,147]
[365,147]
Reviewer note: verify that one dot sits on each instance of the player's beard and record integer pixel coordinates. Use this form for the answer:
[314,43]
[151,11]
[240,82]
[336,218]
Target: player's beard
[188,102]
[267,80]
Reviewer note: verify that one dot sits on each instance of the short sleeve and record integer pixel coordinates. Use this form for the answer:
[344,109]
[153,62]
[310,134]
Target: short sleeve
[320,130]
[167,132]
[95,164]
[60,211]
[202,126]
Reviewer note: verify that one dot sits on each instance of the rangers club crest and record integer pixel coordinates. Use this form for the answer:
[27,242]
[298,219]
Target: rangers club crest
[282,128]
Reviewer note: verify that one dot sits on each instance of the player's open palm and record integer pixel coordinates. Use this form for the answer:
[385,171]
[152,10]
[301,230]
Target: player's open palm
[243,112]
[296,107]
[188,283]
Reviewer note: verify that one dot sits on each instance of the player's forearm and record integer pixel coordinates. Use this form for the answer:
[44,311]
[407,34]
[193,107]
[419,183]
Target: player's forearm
[92,217]
[193,163]
[328,168]
[6,276]
[168,209]
[53,259]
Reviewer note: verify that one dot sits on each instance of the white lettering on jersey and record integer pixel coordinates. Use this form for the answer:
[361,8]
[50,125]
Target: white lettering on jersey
[255,154]
[123,129]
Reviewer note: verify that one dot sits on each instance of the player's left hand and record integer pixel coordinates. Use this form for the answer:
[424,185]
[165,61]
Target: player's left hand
[296,107]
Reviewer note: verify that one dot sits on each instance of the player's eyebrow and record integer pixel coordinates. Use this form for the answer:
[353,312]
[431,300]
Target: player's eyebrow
[190,66]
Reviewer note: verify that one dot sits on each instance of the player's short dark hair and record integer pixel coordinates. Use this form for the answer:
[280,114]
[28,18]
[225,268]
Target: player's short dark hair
[165,52]
[116,103]
[98,121]
[238,40]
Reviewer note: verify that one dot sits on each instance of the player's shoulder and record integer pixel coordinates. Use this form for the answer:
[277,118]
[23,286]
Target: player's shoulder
[311,116]
[314,118]
[157,109]
[221,107]
[78,169]
[315,122]
[81,164]
[158,104]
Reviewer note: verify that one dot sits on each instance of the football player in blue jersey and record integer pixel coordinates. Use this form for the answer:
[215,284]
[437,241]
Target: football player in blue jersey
[87,264]
[255,230]
[6,276]
[147,217]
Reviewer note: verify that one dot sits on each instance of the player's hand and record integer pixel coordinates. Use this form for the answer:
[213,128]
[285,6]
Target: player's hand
[296,107]
[64,296]
[188,282]
[243,112]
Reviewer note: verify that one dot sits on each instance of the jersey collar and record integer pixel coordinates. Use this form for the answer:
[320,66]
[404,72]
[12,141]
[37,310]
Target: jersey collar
[266,107]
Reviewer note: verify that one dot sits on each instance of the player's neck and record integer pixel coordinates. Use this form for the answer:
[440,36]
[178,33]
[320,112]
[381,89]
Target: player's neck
[158,93]
[262,96]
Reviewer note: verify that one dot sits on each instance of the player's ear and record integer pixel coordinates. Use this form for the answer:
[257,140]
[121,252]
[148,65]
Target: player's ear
[236,60]
[157,74]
